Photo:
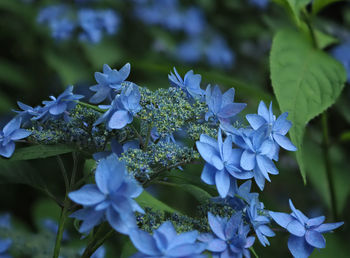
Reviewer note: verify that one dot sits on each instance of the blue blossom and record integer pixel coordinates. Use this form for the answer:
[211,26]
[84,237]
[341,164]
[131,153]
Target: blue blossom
[222,163]
[259,221]
[194,21]
[95,23]
[259,3]
[306,234]
[342,54]
[219,54]
[191,84]
[57,107]
[122,109]
[276,128]
[166,243]
[28,112]
[222,106]
[111,198]
[5,244]
[108,81]
[229,238]
[5,221]
[190,50]
[10,133]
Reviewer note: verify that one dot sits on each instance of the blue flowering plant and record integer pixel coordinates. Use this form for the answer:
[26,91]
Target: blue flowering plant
[131,138]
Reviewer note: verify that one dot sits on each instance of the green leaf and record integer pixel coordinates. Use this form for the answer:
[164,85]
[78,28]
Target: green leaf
[147,200]
[306,82]
[318,5]
[345,137]
[40,152]
[296,6]
[325,40]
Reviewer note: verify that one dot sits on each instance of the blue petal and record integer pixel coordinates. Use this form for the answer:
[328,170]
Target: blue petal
[315,239]
[161,240]
[168,230]
[210,155]
[11,126]
[184,238]
[121,224]
[231,110]
[228,97]
[144,242]
[249,242]
[248,160]
[255,121]
[284,142]
[87,195]
[222,181]
[217,226]
[216,245]
[120,119]
[208,174]
[7,150]
[324,228]
[299,247]
[58,109]
[315,221]
[109,174]
[282,219]
[5,245]
[281,125]
[207,139]
[296,228]
[263,111]
[259,179]
[186,250]
[20,134]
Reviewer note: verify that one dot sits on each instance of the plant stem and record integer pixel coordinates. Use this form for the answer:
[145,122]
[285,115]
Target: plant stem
[61,224]
[96,243]
[148,135]
[64,172]
[328,166]
[91,106]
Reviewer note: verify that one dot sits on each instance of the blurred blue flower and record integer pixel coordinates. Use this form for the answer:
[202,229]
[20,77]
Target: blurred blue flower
[259,3]
[122,109]
[194,21]
[56,107]
[230,238]
[342,54]
[276,128]
[28,112]
[52,226]
[62,29]
[95,23]
[222,163]
[166,243]
[222,106]
[191,84]
[306,234]
[10,133]
[258,151]
[219,54]
[190,50]
[5,221]
[109,80]
[259,221]
[111,197]
[5,244]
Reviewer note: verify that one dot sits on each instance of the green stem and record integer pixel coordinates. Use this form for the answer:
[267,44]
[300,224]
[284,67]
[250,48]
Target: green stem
[326,157]
[63,172]
[148,135]
[137,134]
[91,106]
[63,218]
[96,244]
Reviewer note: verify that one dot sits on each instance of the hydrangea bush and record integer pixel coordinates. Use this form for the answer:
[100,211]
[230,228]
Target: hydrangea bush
[134,138]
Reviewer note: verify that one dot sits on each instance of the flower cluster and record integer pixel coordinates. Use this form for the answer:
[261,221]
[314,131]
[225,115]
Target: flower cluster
[91,24]
[139,135]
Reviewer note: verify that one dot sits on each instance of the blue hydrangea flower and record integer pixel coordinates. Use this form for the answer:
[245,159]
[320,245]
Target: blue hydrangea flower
[95,23]
[122,109]
[306,234]
[5,221]
[222,106]
[10,133]
[5,245]
[259,3]
[230,238]
[219,54]
[276,128]
[57,107]
[62,29]
[342,54]
[111,197]
[190,50]
[166,243]
[222,165]
[258,151]
[107,82]
[194,21]
[27,112]
[259,221]
[191,84]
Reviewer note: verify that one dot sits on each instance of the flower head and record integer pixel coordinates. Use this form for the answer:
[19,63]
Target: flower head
[222,106]
[165,242]
[190,84]
[5,244]
[222,165]
[108,81]
[276,128]
[111,197]
[306,234]
[229,237]
[10,133]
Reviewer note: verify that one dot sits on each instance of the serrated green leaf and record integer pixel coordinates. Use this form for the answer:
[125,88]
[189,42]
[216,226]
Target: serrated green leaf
[40,152]
[306,82]
[318,5]
[147,200]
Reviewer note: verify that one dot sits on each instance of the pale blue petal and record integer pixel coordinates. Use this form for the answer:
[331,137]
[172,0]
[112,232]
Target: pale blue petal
[7,150]
[121,224]
[299,247]
[184,238]
[284,142]
[216,245]
[281,125]
[228,97]
[120,119]
[231,110]
[208,174]
[222,181]
[255,121]
[168,230]
[282,219]
[217,226]
[315,221]
[58,109]
[20,134]
[87,195]
[324,228]
[315,239]
[263,111]
[11,126]
[144,242]
[248,160]
[296,228]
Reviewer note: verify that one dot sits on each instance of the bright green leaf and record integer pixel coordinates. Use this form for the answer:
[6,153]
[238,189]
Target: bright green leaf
[147,200]
[40,152]
[306,82]
[297,6]
[318,5]
[324,40]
